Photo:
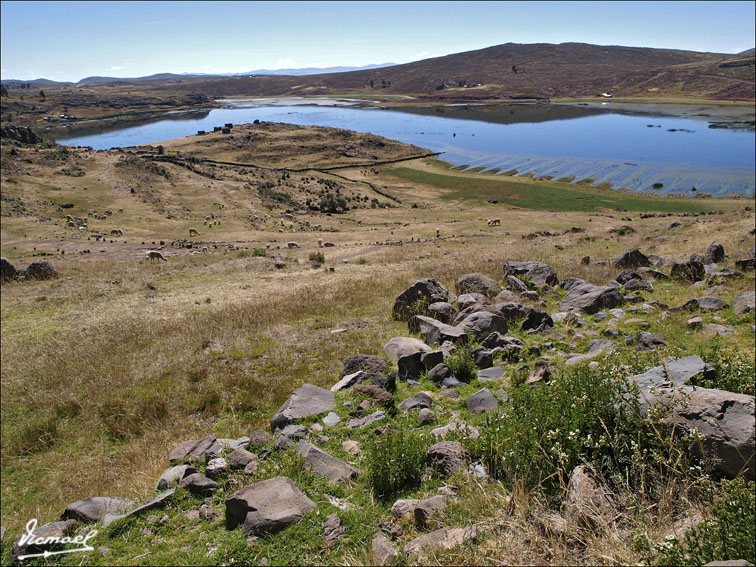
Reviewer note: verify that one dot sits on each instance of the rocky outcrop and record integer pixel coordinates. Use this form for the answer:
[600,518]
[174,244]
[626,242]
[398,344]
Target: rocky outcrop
[267,506]
[714,253]
[37,271]
[94,509]
[20,134]
[369,363]
[633,258]
[691,271]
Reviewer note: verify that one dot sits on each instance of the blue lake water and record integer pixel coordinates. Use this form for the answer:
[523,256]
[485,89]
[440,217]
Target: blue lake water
[629,151]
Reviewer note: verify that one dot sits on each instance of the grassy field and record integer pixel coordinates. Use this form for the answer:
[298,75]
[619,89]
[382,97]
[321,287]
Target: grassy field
[110,366]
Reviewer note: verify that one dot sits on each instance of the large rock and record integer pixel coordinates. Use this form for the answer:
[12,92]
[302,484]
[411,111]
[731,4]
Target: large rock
[305,401]
[434,331]
[158,502]
[448,457]
[383,552]
[483,323]
[493,374]
[445,538]
[536,321]
[477,283]
[95,508]
[714,253]
[267,506]
[691,270]
[416,402]
[633,258]
[399,347]
[745,303]
[482,401]
[324,464]
[198,483]
[704,303]
[21,134]
[37,271]
[588,502]
[366,362]
[540,274]
[7,270]
[193,450]
[590,298]
[427,289]
[595,348]
[173,476]
[443,311]
[725,419]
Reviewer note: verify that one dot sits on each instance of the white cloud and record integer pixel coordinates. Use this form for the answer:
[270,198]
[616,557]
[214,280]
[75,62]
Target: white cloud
[423,55]
[284,64]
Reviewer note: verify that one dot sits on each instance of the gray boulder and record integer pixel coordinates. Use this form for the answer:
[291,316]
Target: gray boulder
[483,323]
[7,270]
[158,502]
[493,374]
[173,476]
[704,303]
[595,348]
[482,401]
[51,530]
[448,457]
[366,362]
[633,258]
[416,402]
[333,529]
[95,508]
[477,283]
[193,450]
[745,303]
[536,321]
[426,289]
[540,274]
[468,299]
[691,270]
[434,331]
[457,428]
[198,484]
[714,253]
[241,458]
[590,298]
[442,311]
[37,271]
[444,538]
[305,401]
[358,422]
[324,464]
[399,347]
[267,506]
[383,552]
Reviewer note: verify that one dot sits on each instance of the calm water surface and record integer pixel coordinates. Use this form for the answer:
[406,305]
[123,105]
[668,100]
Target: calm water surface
[625,150]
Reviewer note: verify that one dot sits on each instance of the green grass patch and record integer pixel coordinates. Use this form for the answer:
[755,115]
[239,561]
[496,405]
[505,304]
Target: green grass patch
[541,196]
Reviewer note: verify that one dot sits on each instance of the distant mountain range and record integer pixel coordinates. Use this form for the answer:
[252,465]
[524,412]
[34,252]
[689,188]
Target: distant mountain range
[95,80]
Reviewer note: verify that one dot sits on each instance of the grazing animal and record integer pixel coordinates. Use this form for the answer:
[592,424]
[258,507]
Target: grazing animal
[494,222]
[116,232]
[292,245]
[328,244]
[155,255]
[193,232]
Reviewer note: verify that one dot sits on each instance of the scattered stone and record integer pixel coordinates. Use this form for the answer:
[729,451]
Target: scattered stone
[351,447]
[376,393]
[714,253]
[198,484]
[193,451]
[349,380]
[477,283]
[705,303]
[322,463]
[305,401]
[416,402]
[37,271]
[482,401]
[173,476]
[457,428]
[540,274]
[493,374]
[469,299]
[443,311]
[690,271]
[716,329]
[358,422]
[590,298]
[425,509]
[588,502]
[745,303]
[382,550]
[445,538]
[333,529]
[331,419]
[632,258]
[428,289]
[217,468]
[650,341]
[537,321]
[368,363]
[434,331]
[426,416]
[52,530]
[259,438]
[158,502]
[95,508]
[595,348]
[267,506]
[448,457]
[694,322]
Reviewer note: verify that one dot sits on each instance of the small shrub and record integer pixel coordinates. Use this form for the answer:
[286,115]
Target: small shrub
[259,252]
[395,462]
[243,254]
[734,369]
[658,185]
[462,365]
[728,534]
[317,257]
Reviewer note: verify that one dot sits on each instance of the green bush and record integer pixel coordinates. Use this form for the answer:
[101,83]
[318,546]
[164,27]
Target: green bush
[259,252]
[578,417]
[243,254]
[317,257]
[734,369]
[462,365]
[395,462]
[728,534]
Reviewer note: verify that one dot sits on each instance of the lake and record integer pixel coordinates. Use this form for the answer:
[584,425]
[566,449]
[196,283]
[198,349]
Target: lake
[598,142]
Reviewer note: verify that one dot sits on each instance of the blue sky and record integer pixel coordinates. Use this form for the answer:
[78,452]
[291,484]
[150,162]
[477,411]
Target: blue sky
[67,41]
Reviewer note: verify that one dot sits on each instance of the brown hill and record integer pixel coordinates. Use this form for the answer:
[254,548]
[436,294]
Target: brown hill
[523,71]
